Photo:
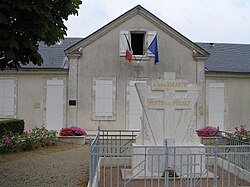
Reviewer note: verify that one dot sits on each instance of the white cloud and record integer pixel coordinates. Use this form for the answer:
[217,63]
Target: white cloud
[199,20]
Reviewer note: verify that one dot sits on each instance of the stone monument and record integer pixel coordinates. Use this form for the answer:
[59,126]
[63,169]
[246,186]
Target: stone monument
[169,118]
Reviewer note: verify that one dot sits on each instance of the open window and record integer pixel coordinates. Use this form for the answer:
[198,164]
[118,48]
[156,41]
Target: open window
[138,41]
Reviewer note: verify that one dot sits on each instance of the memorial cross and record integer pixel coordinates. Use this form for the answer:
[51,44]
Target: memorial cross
[169,103]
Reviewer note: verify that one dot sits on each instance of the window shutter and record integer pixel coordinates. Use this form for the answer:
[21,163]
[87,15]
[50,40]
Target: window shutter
[151,35]
[108,99]
[103,100]
[1,97]
[216,104]
[7,96]
[123,42]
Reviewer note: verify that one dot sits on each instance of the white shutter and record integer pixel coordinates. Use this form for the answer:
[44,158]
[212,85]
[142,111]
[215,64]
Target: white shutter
[7,97]
[104,96]
[123,42]
[1,97]
[54,104]
[54,82]
[151,35]
[134,107]
[216,105]
[9,106]
[1,88]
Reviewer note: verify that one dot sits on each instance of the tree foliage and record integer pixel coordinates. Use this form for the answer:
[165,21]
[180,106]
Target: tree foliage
[24,23]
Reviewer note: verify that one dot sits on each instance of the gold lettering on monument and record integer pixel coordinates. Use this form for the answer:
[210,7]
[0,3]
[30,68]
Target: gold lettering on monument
[169,84]
[161,104]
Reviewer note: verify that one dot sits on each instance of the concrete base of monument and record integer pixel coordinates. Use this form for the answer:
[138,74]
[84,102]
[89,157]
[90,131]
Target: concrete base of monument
[184,161]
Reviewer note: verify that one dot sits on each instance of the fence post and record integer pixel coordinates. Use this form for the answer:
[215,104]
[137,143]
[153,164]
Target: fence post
[166,164]
[215,161]
[90,164]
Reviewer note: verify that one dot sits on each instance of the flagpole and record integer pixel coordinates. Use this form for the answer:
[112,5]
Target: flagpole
[130,47]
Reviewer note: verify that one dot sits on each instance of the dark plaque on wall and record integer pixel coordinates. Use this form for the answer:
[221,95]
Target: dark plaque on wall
[72,102]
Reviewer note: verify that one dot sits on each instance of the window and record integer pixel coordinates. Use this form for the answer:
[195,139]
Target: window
[137,43]
[104,97]
[138,40]
[7,98]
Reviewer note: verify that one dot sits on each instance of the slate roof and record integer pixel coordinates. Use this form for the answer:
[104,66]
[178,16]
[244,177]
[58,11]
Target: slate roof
[225,57]
[54,56]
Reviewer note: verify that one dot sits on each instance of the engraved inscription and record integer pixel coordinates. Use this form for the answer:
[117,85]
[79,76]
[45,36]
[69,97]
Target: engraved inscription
[160,84]
[161,103]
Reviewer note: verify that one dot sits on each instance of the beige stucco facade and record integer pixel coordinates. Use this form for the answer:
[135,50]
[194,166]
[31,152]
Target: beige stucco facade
[236,98]
[30,94]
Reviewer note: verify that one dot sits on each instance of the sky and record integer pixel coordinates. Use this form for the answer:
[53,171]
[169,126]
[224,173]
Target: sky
[219,21]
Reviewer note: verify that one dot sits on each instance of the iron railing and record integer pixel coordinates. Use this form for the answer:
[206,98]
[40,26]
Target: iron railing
[116,138]
[229,140]
[115,161]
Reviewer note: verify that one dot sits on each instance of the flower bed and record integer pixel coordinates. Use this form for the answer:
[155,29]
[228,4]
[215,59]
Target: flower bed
[37,137]
[72,134]
[207,131]
[72,131]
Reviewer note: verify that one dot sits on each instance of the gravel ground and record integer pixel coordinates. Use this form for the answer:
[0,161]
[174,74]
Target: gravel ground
[47,167]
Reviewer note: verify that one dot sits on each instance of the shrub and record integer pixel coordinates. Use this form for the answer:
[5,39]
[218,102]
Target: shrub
[72,131]
[37,137]
[207,131]
[42,137]
[11,125]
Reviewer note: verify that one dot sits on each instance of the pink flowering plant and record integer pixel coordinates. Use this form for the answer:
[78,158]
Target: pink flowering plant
[72,131]
[207,131]
[242,132]
[28,140]
[5,139]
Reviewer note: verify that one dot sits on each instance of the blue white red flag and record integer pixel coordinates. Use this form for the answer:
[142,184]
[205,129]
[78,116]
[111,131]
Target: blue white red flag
[153,47]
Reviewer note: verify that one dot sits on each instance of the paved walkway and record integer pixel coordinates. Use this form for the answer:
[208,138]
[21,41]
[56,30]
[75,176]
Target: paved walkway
[67,168]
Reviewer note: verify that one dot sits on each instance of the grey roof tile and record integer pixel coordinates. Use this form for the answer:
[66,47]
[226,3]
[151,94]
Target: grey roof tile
[225,57]
[53,56]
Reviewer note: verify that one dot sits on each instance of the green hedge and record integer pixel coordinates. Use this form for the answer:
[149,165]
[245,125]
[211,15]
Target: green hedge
[11,125]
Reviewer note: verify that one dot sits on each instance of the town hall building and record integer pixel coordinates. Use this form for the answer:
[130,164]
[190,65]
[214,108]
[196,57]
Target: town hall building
[101,80]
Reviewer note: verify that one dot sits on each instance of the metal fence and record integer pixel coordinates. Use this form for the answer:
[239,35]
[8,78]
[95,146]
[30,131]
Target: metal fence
[234,143]
[116,161]
[225,138]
